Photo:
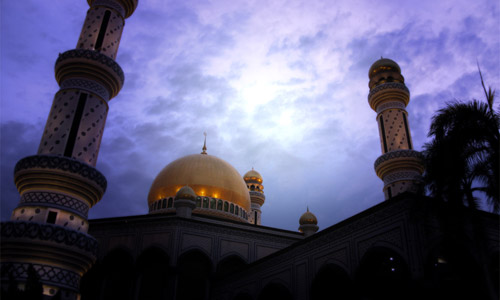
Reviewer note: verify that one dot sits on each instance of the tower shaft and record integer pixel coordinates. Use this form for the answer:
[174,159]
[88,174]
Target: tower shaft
[58,186]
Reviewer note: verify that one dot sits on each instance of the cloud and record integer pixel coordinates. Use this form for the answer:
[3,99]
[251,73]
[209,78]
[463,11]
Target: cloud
[18,140]
[279,86]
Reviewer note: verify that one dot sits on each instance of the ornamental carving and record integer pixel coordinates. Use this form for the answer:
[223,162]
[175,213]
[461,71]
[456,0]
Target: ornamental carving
[65,202]
[64,164]
[399,176]
[95,56]
[49,232]
[48,274]
[398,154]
[388,85]
[85,84]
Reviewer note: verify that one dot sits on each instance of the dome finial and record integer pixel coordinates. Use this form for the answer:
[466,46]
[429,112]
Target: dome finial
[204,144]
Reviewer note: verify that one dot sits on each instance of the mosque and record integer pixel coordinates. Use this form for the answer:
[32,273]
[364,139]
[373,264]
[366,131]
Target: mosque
[203,237]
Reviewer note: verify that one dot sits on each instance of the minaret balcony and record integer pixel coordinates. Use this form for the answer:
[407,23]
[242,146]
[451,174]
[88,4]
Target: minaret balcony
[90,65]
[257,197]
[388,92]
[409,161]
[59,173]
[59,255]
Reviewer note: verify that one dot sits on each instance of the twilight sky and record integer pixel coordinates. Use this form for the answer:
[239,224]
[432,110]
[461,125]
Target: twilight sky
[278,85]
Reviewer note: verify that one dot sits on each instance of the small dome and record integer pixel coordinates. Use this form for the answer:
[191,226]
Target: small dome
[383,64]
[252,174]
[308,218]
[186,192]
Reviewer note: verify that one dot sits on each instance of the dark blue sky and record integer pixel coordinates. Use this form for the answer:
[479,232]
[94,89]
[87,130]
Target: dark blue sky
[280,86]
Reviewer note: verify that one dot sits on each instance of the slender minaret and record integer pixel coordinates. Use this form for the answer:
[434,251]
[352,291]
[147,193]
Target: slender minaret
[254,183]
[48,229]
[399,166]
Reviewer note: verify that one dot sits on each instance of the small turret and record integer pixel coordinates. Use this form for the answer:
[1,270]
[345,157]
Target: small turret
[254,184]
[308,223]
[185,202]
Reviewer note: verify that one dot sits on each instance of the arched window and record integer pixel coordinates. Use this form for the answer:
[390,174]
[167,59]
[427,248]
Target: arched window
[198,202]
[232,209]
[236,210]
[230,264]
[219,205]
[205,202]
[170,202]
[383,274]
[212,203]
[195,269]
[226,206]
[152,274]
[332,278]
[164,203]
[115,278]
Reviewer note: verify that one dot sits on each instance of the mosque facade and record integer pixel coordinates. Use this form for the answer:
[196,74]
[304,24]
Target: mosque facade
[203,237]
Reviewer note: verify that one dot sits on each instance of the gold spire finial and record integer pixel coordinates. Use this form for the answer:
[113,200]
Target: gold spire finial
[204,144]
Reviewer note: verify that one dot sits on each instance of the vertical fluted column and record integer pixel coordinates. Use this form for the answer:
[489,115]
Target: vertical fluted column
[59,185]
[254,184]
[400,167]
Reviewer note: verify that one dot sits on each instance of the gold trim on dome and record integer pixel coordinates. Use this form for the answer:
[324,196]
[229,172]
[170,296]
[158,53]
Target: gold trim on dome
[206,174]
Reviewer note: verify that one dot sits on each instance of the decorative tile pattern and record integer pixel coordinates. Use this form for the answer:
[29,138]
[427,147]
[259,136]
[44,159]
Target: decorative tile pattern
[87,85]
[65,202]
[398,154]
[388,85]
[48,274]
[49,232]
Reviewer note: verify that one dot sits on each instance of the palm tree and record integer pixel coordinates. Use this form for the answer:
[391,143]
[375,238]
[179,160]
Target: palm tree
[463,157]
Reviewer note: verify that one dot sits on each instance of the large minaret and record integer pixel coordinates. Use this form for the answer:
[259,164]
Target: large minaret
[47,233]
[399,166]
[254,183]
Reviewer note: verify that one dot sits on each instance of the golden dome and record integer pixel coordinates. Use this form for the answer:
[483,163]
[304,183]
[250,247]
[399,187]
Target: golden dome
[252,174]
[207,175]
[382,65]
[186,193]
[308,218]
